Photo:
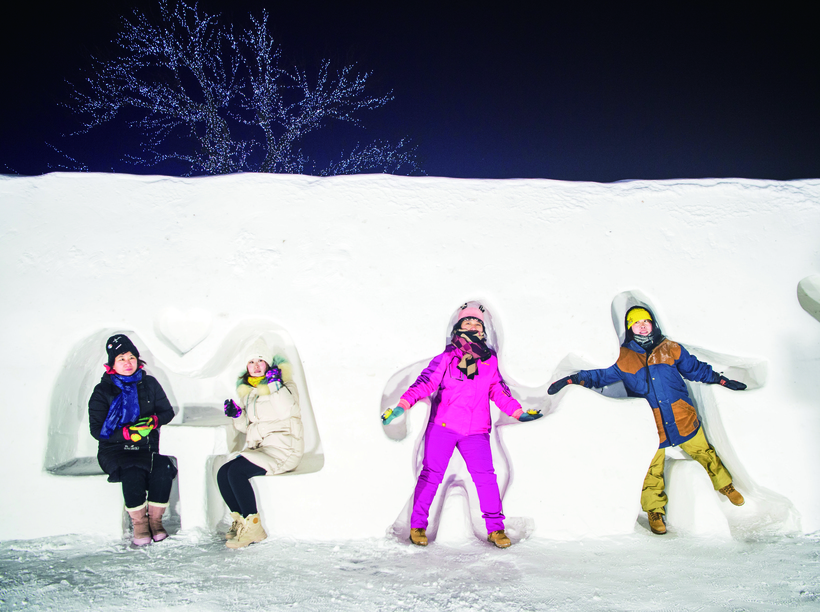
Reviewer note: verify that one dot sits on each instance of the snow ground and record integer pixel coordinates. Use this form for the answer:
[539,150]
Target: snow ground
[634,572]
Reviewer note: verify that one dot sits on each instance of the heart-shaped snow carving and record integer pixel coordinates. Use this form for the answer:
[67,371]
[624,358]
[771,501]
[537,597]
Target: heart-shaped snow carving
[183,330]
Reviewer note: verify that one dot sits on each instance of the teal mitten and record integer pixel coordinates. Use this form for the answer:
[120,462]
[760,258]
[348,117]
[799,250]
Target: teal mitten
[392,413]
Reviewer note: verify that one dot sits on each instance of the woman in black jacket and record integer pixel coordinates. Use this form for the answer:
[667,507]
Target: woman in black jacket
[125,412]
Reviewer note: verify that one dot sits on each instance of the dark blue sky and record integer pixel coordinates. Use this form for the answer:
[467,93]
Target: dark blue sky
[490,91]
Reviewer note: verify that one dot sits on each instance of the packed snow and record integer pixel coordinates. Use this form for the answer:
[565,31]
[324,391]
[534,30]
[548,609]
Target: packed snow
[355,279]
[631,573]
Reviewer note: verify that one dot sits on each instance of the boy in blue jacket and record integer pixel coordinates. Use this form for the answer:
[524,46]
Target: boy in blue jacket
[651,366]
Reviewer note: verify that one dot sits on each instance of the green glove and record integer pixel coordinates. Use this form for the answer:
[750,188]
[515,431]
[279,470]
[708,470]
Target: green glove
[149,420]
[141,428]
[392,413]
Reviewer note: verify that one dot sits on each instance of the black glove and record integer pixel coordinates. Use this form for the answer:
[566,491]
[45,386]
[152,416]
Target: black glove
[729,384]
[560,384]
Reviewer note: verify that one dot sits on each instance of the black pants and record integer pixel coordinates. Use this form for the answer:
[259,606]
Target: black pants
[136,481]
[233,479]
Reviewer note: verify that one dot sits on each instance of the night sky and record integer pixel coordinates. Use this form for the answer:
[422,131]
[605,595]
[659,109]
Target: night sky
[492,90]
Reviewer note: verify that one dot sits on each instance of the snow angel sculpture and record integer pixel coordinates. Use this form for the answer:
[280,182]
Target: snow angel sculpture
[651,367]
[125,412]
[269,416]
[462,380]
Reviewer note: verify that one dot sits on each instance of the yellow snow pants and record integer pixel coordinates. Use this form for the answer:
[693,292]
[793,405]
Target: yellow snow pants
[653,498]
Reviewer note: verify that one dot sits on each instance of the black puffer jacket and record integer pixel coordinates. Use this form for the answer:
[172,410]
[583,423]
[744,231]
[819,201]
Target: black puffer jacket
[116,452]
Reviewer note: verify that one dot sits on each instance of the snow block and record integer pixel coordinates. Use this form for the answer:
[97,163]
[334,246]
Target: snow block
[808,294]
[693,507]
[354,278]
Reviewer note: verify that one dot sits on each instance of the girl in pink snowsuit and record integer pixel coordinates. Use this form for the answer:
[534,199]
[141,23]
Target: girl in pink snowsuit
[462,381]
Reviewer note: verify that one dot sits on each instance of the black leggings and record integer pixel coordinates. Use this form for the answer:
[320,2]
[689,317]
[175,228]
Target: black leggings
[233,479]
[136,481]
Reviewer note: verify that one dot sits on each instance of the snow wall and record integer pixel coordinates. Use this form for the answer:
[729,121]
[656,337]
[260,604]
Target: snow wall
[355,279]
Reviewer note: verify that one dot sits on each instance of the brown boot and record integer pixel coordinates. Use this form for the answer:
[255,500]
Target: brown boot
[733,494]
[499,538]
[418,536]
[139,520]
[155,512]
[237,521]
[656,523]
[249,532]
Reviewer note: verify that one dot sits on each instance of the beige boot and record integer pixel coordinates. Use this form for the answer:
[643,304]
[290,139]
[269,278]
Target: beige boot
[656,523]
[155,512]
[499,538]
[418,536]
[139,520]
[237,522]
[733,494]
[249,532]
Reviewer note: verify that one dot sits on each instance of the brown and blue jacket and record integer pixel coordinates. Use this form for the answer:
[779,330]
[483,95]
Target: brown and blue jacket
[657,375]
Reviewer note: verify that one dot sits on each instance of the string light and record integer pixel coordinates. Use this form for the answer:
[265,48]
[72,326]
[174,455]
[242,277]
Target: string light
[219,102]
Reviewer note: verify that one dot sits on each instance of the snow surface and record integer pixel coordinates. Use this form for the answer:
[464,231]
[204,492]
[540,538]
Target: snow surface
[632,573]
[355,279]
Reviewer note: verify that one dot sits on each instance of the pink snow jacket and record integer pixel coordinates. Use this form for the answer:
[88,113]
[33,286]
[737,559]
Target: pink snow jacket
[459,403]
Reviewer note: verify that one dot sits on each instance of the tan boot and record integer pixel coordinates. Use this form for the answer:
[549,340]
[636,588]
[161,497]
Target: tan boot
[139,520]
[656,523]
[418,536]
[733,494]
[249,532]
[237,521]
[155,512]
[499,538]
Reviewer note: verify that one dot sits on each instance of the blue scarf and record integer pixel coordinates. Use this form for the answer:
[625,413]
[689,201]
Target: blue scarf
[126,406]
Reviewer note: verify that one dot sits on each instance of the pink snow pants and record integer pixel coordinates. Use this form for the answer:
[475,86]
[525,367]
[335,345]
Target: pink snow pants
[439,443]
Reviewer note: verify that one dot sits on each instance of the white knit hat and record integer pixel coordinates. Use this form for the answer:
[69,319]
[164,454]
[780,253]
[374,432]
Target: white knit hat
[259,350]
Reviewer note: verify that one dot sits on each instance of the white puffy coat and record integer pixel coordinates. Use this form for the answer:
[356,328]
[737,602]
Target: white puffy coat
[272,423]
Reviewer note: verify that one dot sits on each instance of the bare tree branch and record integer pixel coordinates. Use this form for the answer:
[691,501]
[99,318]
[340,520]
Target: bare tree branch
[219,102]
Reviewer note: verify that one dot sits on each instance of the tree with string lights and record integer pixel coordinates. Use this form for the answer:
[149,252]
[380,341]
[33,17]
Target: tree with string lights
[214,101]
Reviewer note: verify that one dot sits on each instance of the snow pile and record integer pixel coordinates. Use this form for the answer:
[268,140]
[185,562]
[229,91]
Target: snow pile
[355,279]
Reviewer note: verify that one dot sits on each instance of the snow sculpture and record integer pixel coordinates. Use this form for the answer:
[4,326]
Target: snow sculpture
[182,331]
[808,294]
[346,259]
[197,372]
[71,451]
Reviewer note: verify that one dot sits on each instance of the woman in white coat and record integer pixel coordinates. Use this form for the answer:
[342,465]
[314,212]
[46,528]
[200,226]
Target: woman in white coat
[269,416]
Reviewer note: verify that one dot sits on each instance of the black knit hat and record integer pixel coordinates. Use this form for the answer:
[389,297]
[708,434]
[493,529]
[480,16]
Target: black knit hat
[119,344]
